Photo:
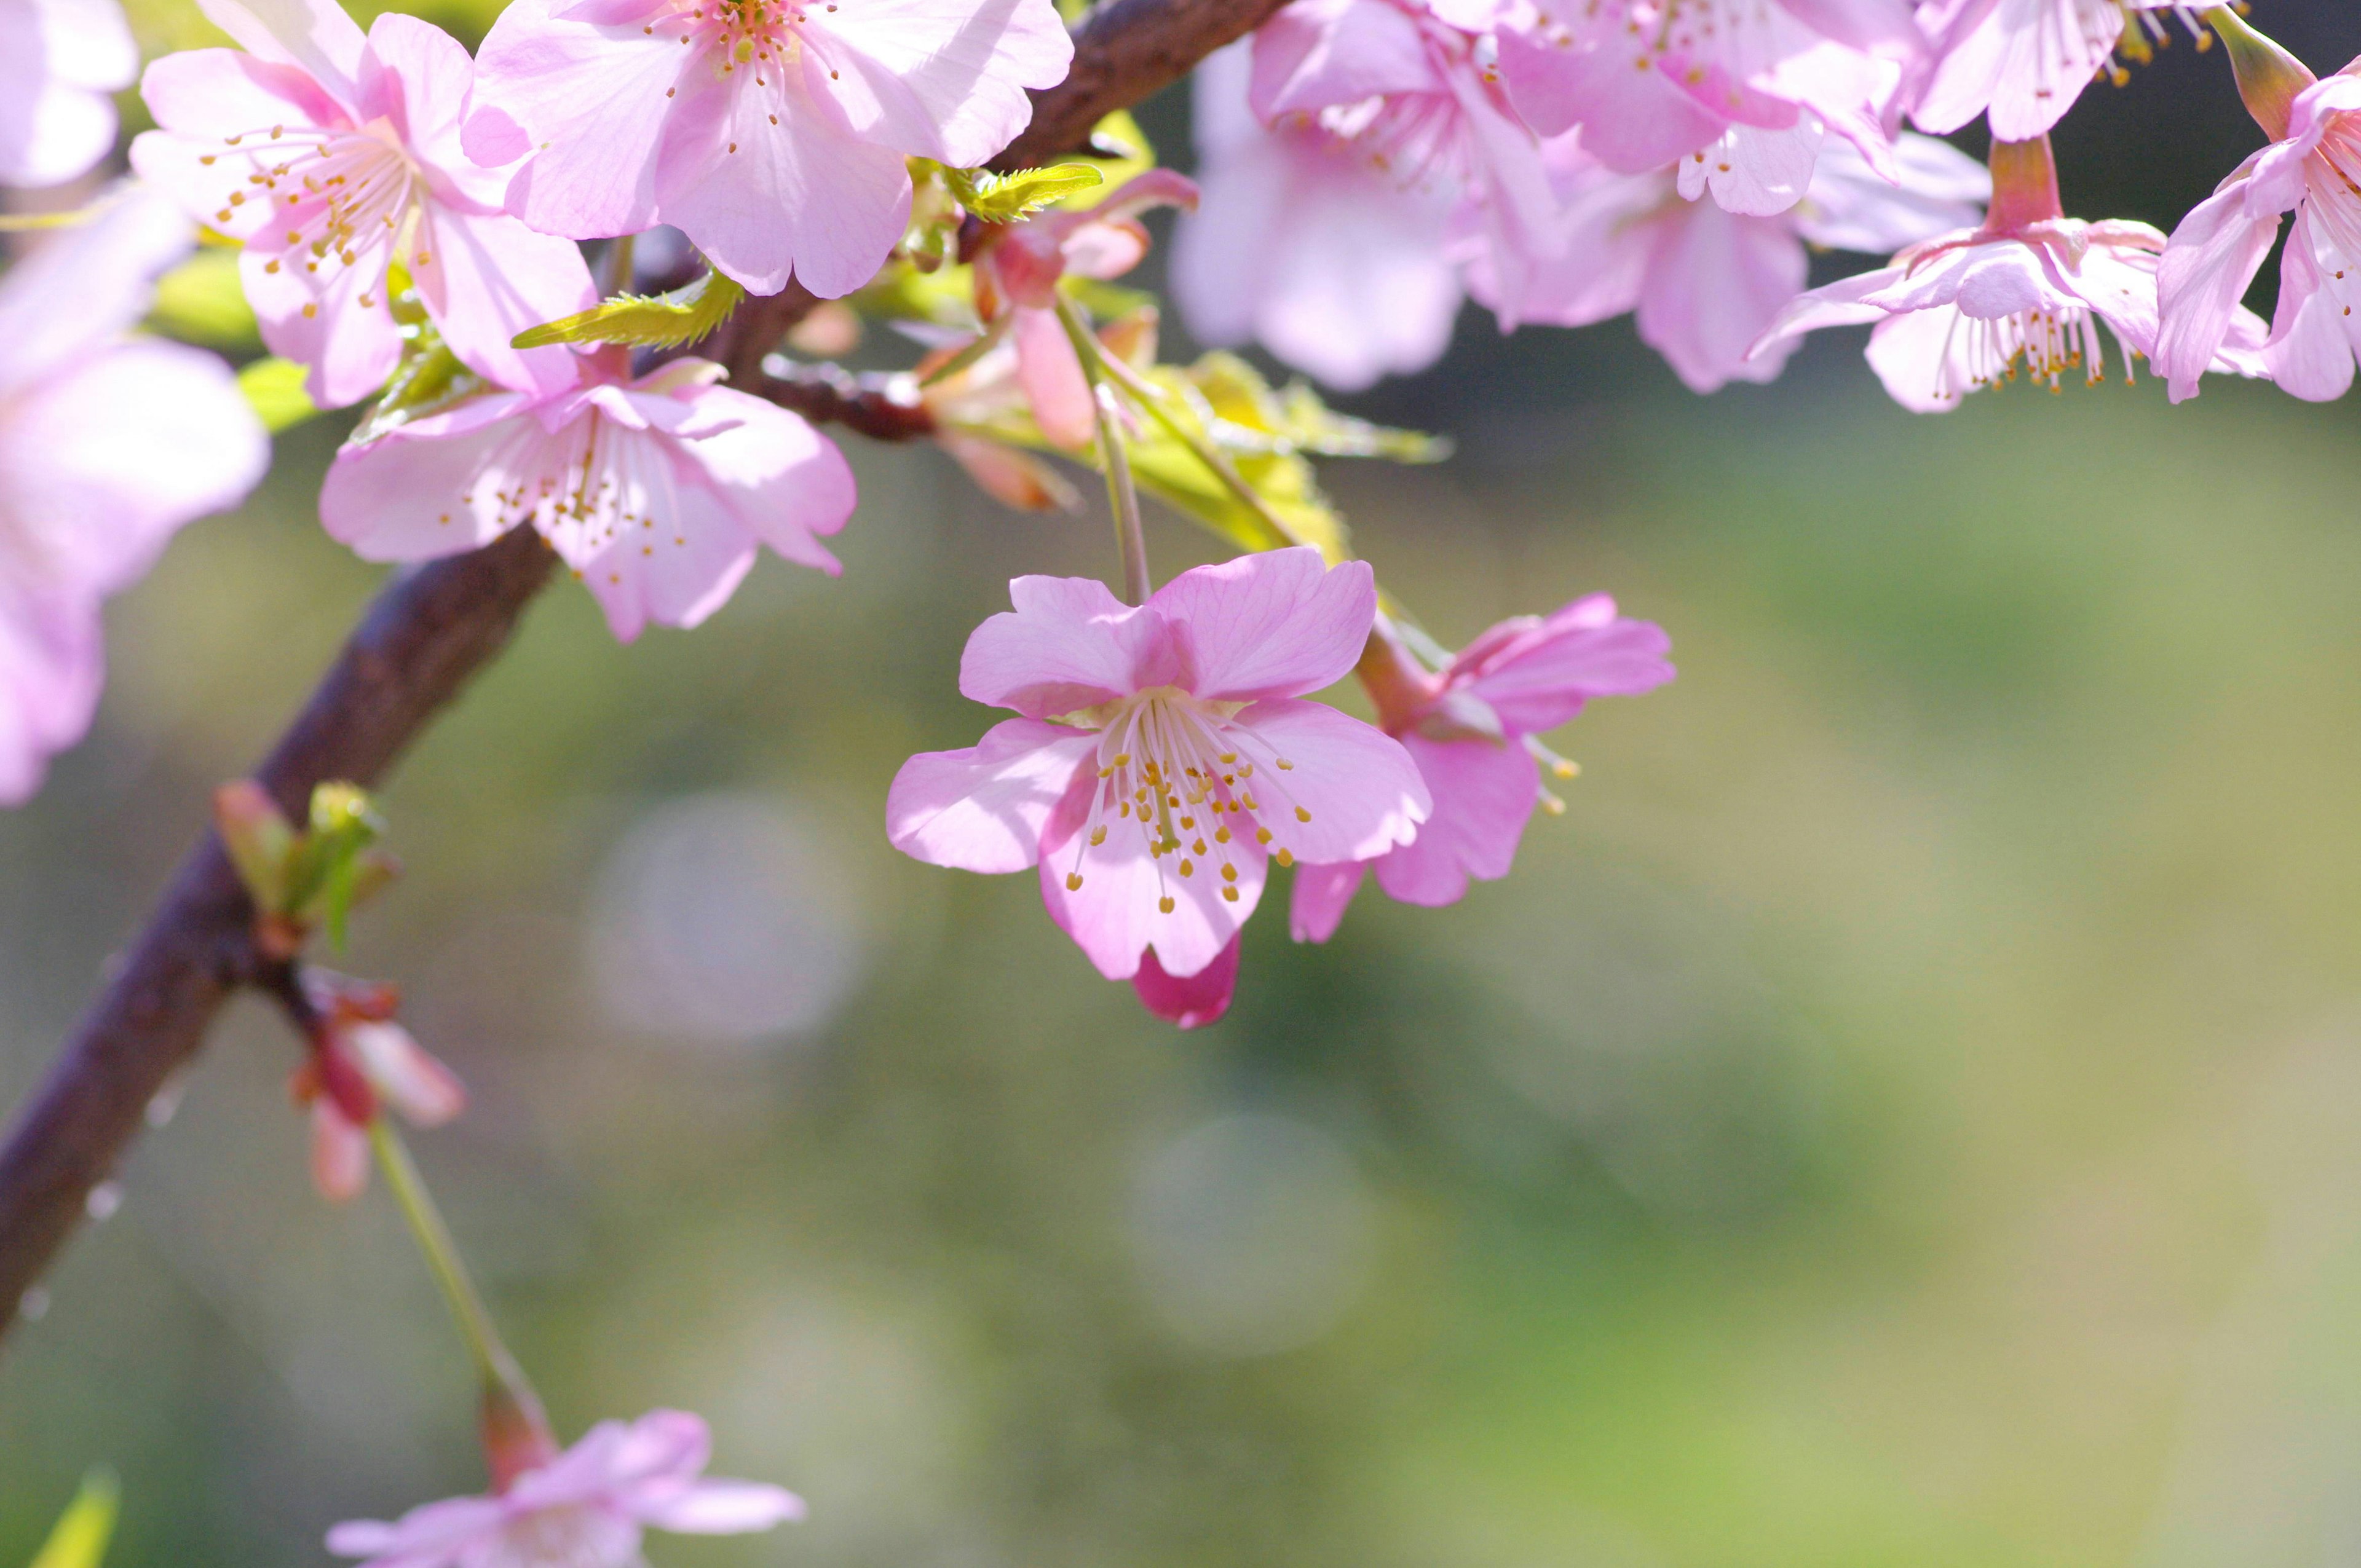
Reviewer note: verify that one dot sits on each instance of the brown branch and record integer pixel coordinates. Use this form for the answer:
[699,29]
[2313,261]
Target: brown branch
[425,635]
[882,408]
[1125,51]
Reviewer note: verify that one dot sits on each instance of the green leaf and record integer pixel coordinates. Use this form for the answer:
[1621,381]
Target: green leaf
[274,390]
[322,878]
[659,320]
[1005,198]
[202,301]
[80,1536]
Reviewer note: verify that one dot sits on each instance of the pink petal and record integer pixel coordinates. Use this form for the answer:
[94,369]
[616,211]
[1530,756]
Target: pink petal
[425,1091]
[1921,357]
[785,481]
[762,177]
[1318,53]
[1279,623]
[61,61]
[1116,914]
[590,100]
[1055,389]
[1633,119]
[1361,789]
[1190,1002]
[1719,282]
[1483,795]
[52,663]
[1754,172]
[2312,342]
[486,279]
[109,460]
[1544,677]
[350,347]
[108,269]
[315,36]
[427,1536]
[1320,895]
[432,488]
[720,1508]
[1068,645]
[940,78]
[340,1154]
[1850,207]
[986,808]
[2213,257]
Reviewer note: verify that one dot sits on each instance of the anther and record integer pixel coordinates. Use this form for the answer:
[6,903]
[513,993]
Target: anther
[1231,893]
[1098,835]
[1073,881]
[1188,867]
[1285,857]
[1303,813]
[1165,904]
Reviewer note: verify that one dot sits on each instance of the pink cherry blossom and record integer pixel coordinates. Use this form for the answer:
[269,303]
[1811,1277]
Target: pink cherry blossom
[2020,63]
[1706,281]
[658,492]
[1472,728]
[61,63]
[1163,752]
[1652,81]
[108,445]
[361,1059]
[585,1508]
[2311,168]
[770,132]
[333,157]
[1017,279]
[2024,294]
[1303,243]
[1413,95]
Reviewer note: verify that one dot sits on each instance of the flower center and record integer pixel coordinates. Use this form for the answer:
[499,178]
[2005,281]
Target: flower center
[589,487]
[1180,773]
[335,197]
[2042,345]
[762,37]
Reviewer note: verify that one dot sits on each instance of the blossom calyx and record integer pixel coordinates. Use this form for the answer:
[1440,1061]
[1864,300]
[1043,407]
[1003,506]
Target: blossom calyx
[301,879]
[2268,76]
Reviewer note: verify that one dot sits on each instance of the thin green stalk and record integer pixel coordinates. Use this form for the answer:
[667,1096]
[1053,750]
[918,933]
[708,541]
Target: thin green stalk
[494,1364]
[1123,496]
[1151,399]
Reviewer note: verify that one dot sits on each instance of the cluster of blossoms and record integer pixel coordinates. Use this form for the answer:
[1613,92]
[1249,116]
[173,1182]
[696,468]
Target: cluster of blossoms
[409,220]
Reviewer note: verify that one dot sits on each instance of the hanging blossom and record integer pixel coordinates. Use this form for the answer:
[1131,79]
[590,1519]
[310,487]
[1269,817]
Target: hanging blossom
[108,445]
[586,1508]
[362,1061]
[60,64]
[2022,64]
[657,491]
[1163,755]
[1303,243]
[1415,96]
[2023,295]
[1707,282]
[770,132]
[1474,729]
[1651,80]
[2311,167]
[334,157]
[1017,279]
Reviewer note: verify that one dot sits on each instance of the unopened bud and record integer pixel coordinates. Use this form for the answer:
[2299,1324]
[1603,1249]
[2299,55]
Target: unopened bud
[517,1439]
[259,837]
[2268,76]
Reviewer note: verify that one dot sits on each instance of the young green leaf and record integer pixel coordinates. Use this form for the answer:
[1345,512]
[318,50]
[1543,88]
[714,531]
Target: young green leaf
[1005,198]
[274,390]
[658,321]
[202,301]
[80,1536]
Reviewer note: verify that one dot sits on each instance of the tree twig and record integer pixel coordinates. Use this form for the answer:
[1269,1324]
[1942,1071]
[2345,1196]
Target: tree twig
[425,635]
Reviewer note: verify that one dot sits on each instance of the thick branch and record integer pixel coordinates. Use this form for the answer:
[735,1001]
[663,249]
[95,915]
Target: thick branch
[424,636]
[880,407]
[1125,51]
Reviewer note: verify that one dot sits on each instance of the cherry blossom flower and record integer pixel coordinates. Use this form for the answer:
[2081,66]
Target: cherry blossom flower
[2024,294]
[584,1508]
[2020,63]
[1017,278]
[334,157]
[61,63]
[1472,728]
[657,491]
[1413,95]
[1302,242]
[1162,753]
[2311,168]
[108,445]
[770,132]
[1652,81]
[1707,281]
[361,1059]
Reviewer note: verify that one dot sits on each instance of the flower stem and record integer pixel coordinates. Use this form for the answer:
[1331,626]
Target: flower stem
[516,1434]
[1123,496]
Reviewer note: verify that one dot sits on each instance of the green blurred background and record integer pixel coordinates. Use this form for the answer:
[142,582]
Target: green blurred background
[1901,1114]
